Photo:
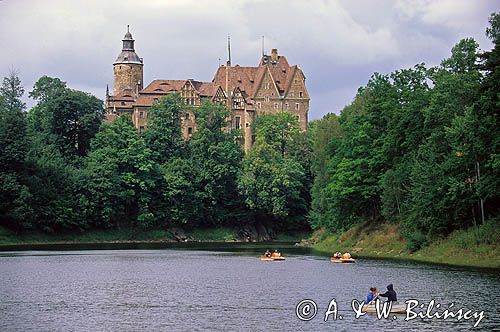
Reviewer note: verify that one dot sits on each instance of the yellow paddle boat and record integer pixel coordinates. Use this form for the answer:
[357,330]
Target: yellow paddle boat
[342,260]
[275,256]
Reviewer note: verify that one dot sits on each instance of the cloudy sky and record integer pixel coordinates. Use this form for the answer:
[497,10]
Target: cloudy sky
[338,44]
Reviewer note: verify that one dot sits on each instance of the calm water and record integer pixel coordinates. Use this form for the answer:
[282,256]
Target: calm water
[228,290]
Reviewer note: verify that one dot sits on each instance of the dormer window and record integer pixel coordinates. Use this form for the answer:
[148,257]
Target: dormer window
[301,94]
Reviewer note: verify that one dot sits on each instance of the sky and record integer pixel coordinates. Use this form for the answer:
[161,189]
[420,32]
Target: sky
[338,44]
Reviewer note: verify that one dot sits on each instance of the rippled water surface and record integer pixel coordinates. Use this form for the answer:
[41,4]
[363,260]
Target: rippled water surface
[230,290]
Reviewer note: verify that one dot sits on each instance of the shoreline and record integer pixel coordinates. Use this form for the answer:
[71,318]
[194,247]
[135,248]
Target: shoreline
[385,243]
[203,245]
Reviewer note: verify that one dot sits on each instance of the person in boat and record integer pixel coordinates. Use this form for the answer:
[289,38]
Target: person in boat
[390,294]
[346,255]
[276,253]
[372,295]
[337,255]
[267,253]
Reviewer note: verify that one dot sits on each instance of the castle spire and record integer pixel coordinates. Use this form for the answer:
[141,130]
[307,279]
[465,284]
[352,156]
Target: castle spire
[229,50]
[128,41]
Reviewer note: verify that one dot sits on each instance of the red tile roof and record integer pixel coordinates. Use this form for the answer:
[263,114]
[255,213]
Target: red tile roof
[163,86]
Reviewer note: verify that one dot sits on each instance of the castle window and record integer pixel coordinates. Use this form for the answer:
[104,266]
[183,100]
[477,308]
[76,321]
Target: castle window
[123,103]
[186,116]
[190,130]
[141,129]
[247,125]
[141,115]
[297,106]
[301,94]
[266,99]
[287,106]
[267,86]
[237,122]
[259,104]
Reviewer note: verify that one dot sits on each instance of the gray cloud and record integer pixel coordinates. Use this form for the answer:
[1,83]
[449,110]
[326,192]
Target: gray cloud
[338,44]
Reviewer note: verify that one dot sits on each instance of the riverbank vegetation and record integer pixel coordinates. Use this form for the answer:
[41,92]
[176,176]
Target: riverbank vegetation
[473,247]
[416,151]
[418,147]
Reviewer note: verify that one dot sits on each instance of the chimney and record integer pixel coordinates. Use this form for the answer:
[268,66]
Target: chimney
[274,54]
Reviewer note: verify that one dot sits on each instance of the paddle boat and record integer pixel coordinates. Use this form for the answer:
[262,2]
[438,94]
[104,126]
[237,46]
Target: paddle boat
[342,260]
[275,256]
[395,309]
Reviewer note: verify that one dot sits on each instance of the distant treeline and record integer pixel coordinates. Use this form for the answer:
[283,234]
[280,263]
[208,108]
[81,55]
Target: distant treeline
[420,146]
[63,169]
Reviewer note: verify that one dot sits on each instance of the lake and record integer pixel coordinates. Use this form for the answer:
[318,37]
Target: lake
[224,288]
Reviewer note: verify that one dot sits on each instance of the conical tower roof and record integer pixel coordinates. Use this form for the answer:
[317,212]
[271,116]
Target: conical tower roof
[128,54]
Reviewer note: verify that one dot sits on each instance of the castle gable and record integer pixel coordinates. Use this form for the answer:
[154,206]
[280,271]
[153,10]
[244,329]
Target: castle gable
[297,86]
[267,86]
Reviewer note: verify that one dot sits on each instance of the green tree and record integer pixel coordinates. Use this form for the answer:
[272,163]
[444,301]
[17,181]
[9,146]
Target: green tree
[325,134]
[215,157]
[47,88]
[118,177]
[15,197]
[163,135]
[11,92]
[273,182]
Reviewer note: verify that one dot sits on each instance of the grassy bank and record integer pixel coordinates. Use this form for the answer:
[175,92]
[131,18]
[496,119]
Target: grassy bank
[474,247]
[221,234]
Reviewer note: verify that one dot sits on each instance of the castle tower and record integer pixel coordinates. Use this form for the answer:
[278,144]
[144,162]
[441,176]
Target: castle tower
[128,69]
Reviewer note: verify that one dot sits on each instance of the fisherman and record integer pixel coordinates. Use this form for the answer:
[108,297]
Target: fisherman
[346,255]
[390,294]
[372,295]
[337,255]
[267,253]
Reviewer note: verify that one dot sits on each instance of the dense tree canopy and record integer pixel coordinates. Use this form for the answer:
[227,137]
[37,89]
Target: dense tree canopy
[418,146]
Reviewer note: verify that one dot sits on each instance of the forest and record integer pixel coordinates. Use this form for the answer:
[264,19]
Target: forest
[419,147]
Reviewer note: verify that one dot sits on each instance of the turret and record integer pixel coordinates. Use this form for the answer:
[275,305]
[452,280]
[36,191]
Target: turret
[128,69]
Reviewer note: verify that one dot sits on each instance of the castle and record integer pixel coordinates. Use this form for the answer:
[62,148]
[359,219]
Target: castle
[270,87]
